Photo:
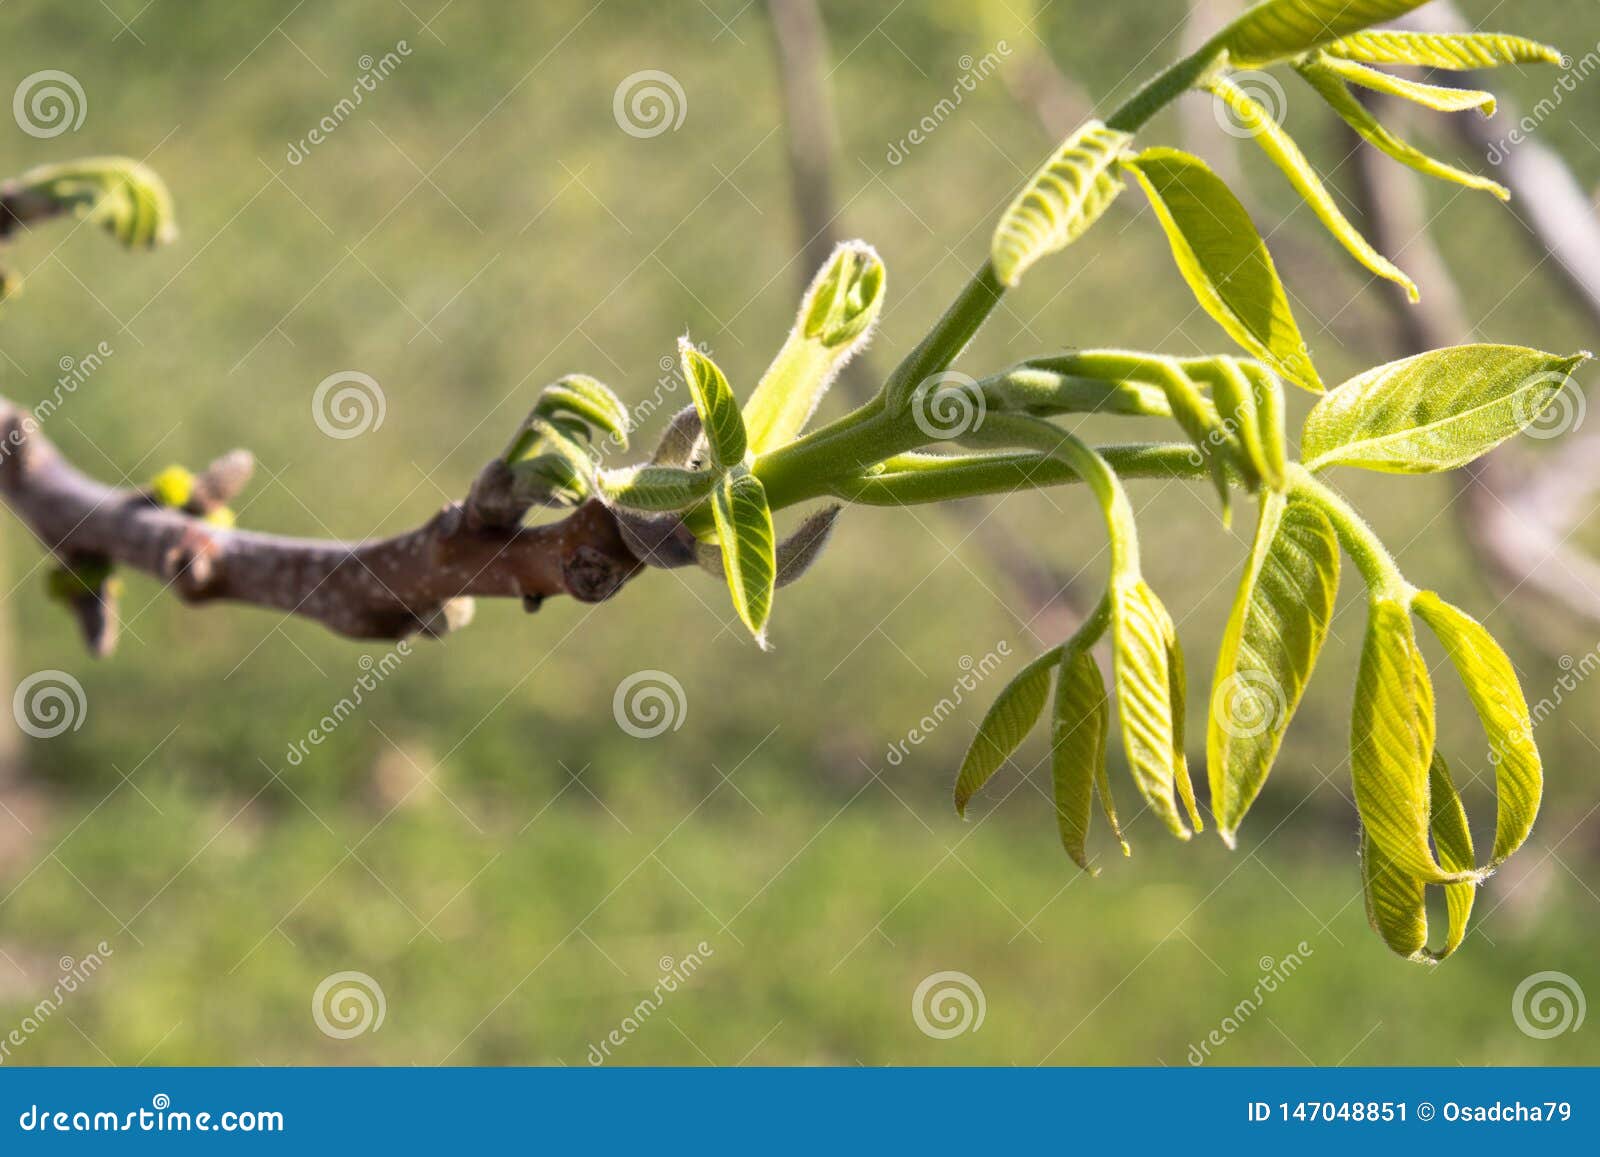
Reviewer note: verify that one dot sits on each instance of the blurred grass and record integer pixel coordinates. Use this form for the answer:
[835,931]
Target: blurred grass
[482,838]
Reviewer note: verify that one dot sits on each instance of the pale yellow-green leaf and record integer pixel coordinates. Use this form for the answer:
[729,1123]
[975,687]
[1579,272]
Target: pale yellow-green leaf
[1437,97]
[713,399]
[744,530]
[1178,696]
[1280,147]
[1143,679]
[835,319]
[1066,196]
[1005,726]
[1491,683]
[1274,635]
[1391,743]
[1435,411]
[1078,730]
[123,195]
[1224,260]
[1333,89]
[591,402]
[1452,840]
[1396,903]
[1443,50]
[1277,29]
[656,489]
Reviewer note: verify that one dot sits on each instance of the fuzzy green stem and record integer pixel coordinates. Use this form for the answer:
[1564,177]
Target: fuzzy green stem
[1377,566]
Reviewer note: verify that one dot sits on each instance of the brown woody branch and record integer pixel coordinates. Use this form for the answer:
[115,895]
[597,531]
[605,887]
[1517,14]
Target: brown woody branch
[420,581]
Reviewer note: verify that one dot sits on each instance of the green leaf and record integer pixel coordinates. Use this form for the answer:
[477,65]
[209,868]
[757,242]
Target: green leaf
[1224,260]
[589,401]
[713,400]
[835,319]
[1333,89]
[1280,147]
[1143,677]
[656,489]
[744,530]
[1177,698]
[1078,729]
[1277,29]
[1435,411]
[1397,902]
[1436,97]
[1004,727]
[1443,50]
[1066,196]
[1496,695]
[549,465]
[1391,743]
[1279,622]
[125,197]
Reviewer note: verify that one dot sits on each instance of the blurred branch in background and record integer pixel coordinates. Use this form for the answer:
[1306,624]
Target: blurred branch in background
[801,45]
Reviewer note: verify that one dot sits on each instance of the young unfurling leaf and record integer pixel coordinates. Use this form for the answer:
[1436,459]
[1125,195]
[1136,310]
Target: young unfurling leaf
[713,399]
[1491,683]
[1436,97]
[1435,411]
[1143,677]
[835,320]
[1452,839]
[1279,146]
[1066,196]
[1005,726]
[1277,628]
[1078,731]
[124,196]
[656,489]
[744,530]
[1391,744]
[1460,51]
[591,403]
[1332,88]
[1277,29]
[1224,260]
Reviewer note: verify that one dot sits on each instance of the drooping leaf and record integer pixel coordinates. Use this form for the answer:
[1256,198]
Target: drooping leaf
[713,399]
[1279,622]
[1078,731]
[1452,840]
[1437,97]
[1277,29]
[1224,260]
[1391,743]
[744,530]
[1280,147]
[591,402]
[1066,196]
[1396,902]
[1435,411]
[1461,51]
[1005,726]
[1143,678]
[123,195]
[835,319]
[1491,683]
[656,489]
[1332,88]
[1178,701]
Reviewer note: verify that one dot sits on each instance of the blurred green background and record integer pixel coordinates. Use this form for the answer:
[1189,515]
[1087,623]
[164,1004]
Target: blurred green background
[481,838]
